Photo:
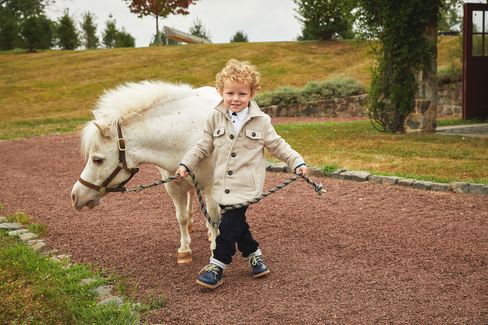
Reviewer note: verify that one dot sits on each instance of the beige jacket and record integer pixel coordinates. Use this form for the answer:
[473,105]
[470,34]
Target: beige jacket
[240,165]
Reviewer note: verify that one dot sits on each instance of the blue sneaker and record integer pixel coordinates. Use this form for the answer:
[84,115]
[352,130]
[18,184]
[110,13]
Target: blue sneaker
[258,266]
[212,277]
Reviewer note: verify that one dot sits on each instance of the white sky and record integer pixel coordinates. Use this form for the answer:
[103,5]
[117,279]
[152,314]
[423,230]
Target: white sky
[261,20]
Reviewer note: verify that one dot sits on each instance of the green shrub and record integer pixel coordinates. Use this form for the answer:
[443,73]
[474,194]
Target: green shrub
[339,87]
[449,75]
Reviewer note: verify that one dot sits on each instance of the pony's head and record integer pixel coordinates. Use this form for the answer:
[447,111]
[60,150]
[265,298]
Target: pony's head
[100,146]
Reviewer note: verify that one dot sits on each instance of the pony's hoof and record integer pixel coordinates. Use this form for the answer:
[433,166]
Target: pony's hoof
[184,257]
[190,228]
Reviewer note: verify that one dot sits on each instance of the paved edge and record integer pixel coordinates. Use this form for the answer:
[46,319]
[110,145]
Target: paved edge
[362,176]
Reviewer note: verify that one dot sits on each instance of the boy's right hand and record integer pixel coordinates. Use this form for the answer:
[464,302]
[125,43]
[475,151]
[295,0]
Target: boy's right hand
[182,171]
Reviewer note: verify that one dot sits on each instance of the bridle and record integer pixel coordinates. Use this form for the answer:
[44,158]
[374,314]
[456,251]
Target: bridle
[103,187]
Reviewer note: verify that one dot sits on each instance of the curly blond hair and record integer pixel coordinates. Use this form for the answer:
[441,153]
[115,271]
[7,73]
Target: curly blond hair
[241,71]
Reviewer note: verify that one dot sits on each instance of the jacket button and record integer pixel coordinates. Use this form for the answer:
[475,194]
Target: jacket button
[227,191]
[233,154]
[253,134]
[218,131]
[229,172]
[232,136]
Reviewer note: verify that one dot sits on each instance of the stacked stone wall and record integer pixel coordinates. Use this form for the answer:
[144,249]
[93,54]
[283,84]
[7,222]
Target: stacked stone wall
[449,102]
[450,99]
[337,107]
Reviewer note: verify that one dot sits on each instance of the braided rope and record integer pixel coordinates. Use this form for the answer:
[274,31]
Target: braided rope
[143,187]
[318,189]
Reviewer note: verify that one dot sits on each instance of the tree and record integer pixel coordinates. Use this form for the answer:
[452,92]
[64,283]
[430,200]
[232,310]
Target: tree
[450,15]
[68,37]
[112,37]
[13,13]
[36,33]
[401,52]
[124,39]
[239,36]
[325,19]
[198,29]
[109,35]
[9,31]
[23,9]
[159,8]
[89,31]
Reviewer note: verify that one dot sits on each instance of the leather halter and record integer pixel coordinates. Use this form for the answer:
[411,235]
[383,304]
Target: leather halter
[103,187]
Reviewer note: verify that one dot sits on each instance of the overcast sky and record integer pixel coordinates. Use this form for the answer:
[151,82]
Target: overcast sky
[261,20]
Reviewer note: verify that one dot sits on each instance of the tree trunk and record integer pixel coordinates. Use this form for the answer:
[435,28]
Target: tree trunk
[157,27]
[399,121]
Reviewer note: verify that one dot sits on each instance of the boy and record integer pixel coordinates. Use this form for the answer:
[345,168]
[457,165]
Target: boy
[236,133]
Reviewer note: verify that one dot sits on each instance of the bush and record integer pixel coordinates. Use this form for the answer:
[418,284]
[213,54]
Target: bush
[339,87]
[124,39]
[449,75]
[239,37]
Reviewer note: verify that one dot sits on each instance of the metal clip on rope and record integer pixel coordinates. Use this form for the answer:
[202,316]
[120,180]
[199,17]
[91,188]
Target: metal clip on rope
[318,189]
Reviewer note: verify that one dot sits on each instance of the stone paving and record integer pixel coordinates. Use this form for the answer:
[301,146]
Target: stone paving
[361,176]
[470,130]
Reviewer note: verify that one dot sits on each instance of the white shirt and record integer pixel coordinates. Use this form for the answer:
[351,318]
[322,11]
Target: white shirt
[239,118]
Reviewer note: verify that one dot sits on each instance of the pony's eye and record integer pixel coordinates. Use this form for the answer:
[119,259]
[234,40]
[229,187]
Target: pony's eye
[97,161]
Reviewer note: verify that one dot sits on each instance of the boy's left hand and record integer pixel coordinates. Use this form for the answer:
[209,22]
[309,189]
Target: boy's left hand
[303,169]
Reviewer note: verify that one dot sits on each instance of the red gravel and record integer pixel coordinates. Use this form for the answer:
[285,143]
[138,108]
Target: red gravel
[362,253]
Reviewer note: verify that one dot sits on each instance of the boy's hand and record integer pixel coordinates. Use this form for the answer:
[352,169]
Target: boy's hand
[182,171]
[303,169]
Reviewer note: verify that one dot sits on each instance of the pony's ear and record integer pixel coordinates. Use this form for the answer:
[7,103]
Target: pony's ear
[104,129]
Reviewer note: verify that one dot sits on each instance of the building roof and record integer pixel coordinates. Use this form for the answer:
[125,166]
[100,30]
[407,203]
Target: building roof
[180,36]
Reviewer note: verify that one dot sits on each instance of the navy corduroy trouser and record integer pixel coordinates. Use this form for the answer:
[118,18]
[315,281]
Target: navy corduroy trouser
[234,229]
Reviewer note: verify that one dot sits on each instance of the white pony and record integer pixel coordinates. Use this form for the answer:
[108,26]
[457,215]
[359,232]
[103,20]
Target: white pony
[159,123]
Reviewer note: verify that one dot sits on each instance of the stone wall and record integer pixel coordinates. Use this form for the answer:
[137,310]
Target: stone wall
[450,99]
[449,102]
[337,107]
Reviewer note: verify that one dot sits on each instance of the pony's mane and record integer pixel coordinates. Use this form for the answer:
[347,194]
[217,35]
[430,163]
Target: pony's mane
[127,100]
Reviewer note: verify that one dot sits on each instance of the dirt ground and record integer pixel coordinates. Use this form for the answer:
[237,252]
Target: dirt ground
[362,253]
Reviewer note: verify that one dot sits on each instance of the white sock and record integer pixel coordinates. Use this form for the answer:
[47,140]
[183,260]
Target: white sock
[218,263]
[258,252]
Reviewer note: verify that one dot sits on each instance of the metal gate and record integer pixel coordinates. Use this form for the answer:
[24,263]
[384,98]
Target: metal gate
[475,61]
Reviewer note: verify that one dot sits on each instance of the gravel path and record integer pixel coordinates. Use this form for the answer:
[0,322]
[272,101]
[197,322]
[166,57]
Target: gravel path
[362,253]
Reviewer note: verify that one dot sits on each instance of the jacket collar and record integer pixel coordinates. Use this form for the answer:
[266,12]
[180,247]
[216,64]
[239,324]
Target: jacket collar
[254,110]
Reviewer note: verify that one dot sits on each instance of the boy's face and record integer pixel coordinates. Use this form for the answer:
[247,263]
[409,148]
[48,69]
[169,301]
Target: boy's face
[236,95]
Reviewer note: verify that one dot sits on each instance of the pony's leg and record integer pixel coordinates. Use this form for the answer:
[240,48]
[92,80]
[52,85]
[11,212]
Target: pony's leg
[189,208]
[213,210]
[178,190]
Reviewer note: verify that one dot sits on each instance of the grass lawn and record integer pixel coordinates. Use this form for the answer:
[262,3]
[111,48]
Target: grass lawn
[357,146]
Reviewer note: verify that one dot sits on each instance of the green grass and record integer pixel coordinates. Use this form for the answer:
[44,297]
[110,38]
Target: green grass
[36,290]
[357,146]
[28,128]
[458,121]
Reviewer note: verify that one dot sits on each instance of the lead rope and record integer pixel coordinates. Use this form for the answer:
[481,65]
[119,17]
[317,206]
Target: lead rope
[318,189]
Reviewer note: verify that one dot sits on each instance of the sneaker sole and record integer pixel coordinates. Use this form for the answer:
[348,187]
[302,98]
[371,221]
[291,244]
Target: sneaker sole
[208,285]
[260,274]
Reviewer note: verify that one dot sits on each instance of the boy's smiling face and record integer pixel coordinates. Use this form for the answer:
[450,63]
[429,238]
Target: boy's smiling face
[236,95]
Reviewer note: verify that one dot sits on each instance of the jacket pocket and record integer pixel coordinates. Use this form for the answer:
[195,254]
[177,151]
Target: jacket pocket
[253,139]
[250,177]
[218,136]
